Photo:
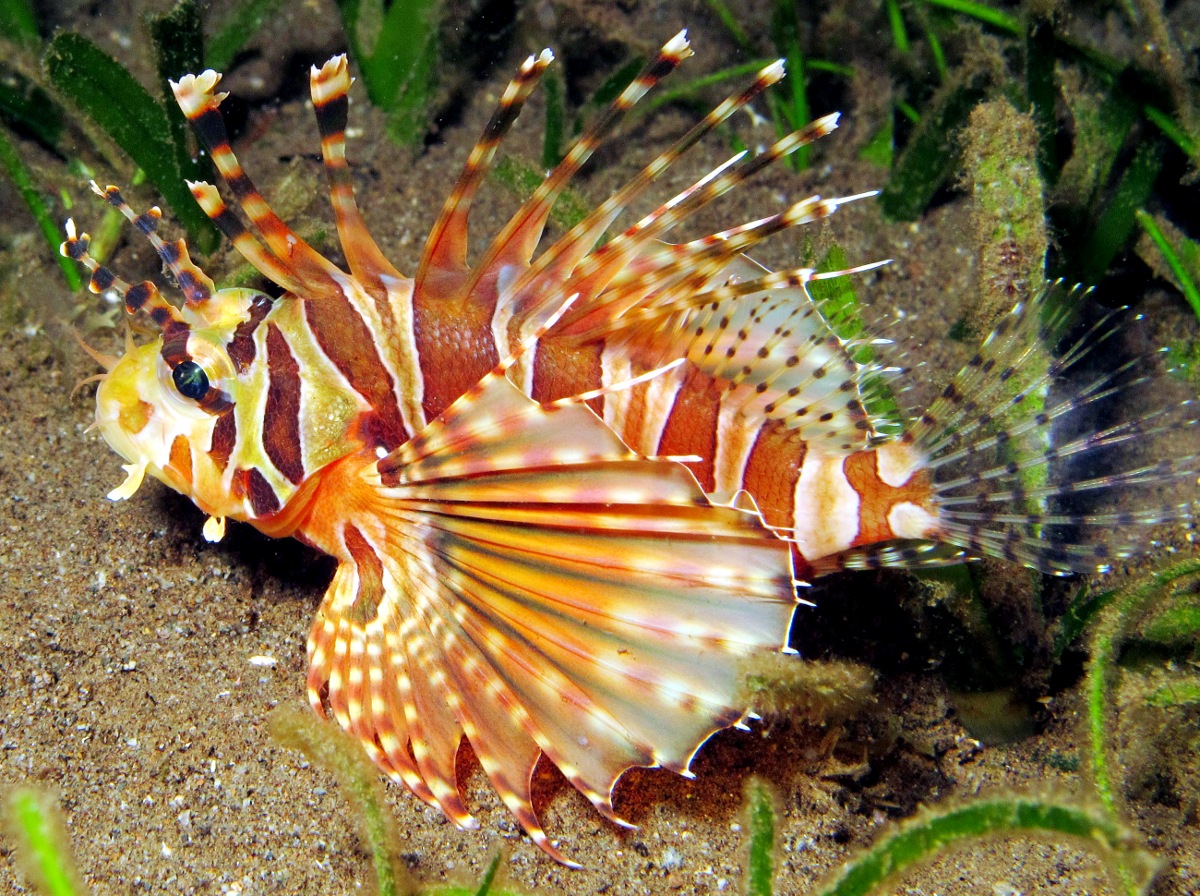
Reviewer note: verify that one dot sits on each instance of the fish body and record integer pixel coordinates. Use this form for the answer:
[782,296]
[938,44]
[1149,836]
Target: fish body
[569,490]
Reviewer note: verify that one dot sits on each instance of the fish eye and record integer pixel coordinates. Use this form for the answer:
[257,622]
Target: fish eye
[190,379]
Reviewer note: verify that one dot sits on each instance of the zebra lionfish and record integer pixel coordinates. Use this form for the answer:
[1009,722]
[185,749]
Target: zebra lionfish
[568,490]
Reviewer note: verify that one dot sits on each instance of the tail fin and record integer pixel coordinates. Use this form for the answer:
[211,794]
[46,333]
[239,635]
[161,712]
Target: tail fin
[1065,462]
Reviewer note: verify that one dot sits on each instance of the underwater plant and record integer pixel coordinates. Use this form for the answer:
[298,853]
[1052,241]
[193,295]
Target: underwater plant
[395,46]
[115,101]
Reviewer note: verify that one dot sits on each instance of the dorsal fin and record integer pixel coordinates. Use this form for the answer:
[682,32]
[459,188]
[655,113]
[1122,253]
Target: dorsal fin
[287,258]
[329,87]
[517,241]
[446,247]
[764,339]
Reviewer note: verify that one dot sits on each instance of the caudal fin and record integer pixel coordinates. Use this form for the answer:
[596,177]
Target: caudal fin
[1063,462]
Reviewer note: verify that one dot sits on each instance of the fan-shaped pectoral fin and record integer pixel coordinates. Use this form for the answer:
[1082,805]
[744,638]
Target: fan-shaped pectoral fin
[520,576]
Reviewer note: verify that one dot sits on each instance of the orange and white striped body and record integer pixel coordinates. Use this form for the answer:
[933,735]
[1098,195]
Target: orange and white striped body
[570,489]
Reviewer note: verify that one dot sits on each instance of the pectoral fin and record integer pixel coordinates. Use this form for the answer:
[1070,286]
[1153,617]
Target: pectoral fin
[516,574]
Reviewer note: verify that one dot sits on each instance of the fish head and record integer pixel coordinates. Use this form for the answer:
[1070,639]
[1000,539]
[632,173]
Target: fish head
[167,405]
